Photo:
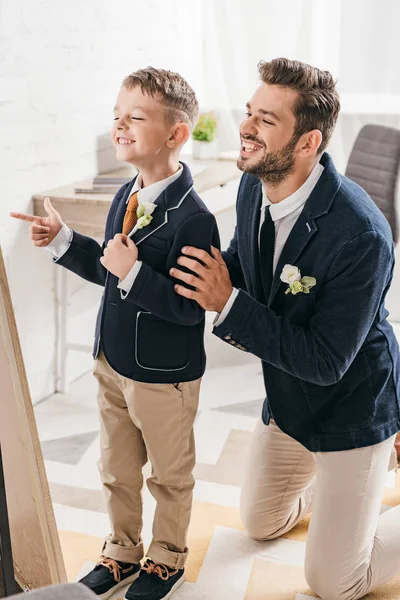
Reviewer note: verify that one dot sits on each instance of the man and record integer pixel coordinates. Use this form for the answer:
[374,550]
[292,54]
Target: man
[302,286]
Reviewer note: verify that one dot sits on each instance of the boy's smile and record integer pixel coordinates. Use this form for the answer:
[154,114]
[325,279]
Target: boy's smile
[124,140]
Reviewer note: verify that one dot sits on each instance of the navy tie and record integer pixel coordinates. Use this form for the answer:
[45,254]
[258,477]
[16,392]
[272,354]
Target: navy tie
[267,249]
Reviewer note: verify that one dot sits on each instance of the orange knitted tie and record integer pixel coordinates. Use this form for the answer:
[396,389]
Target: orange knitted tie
[130,218]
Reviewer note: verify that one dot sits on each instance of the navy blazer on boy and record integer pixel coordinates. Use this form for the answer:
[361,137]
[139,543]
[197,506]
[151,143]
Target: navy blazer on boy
[151,334]
[330,358]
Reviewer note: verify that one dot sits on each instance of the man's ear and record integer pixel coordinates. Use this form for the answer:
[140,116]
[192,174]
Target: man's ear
[310,142]
[179,135]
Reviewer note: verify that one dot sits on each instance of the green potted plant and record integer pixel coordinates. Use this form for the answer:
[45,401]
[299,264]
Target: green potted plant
[204,136]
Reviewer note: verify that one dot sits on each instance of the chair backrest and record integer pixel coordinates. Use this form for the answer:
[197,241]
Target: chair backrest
[374,164]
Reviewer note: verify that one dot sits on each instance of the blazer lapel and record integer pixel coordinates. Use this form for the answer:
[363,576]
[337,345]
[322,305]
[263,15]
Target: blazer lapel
[171,199]
[160,219]
[303,231]
[318,204]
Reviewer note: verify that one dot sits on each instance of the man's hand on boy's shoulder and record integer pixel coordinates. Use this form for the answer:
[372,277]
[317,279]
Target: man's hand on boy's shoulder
[210,277]
[120,255]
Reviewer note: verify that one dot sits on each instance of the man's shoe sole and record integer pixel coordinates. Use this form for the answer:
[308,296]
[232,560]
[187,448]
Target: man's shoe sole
[173,589]
[120,584]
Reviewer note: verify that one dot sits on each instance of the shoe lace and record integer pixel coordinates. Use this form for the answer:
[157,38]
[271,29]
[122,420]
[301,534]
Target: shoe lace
[113,567]
[160,570]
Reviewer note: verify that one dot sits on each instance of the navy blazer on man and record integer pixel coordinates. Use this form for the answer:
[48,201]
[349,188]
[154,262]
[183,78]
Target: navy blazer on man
[151,334]
[330,358]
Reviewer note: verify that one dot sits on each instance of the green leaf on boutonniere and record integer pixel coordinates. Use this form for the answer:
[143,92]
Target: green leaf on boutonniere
[144,221]
[308,282]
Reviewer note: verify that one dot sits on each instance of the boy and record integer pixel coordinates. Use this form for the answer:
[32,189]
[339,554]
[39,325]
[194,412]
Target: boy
[149,346]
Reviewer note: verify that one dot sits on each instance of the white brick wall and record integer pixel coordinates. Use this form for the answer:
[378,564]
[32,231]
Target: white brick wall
[61,64]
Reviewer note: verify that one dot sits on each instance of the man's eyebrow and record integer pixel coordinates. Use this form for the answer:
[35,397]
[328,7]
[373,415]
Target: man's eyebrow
[265,112]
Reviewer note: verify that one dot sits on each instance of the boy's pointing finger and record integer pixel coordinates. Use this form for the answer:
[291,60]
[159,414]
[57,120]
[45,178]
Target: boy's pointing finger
[25,217]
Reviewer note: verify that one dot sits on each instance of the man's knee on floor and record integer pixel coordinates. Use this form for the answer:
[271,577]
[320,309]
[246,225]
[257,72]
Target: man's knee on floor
[260,529]
[327,585]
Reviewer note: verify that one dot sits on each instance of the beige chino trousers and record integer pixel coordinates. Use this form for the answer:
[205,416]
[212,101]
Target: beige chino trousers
[140,422]
[351,548]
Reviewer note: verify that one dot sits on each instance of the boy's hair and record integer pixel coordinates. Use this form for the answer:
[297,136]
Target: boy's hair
[177,95]
[317,105]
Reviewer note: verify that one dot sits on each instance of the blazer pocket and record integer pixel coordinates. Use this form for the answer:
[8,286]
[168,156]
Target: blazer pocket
[160,345]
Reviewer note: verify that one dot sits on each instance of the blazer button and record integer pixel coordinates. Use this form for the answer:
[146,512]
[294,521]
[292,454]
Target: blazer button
[227,337]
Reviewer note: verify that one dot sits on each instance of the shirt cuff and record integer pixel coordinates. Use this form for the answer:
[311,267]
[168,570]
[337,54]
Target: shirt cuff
[219,319]
[59,246]
[126,284]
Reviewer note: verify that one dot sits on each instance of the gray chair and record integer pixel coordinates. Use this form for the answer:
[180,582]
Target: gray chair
[69,591]
[374,164]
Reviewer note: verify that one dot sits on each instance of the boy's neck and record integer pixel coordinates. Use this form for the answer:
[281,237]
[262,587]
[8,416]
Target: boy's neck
[157,172]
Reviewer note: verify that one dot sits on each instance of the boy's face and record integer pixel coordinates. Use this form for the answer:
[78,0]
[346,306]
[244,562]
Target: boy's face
[141,129]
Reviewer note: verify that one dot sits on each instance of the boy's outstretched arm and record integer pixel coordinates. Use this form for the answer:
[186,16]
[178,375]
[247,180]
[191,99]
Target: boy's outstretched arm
[81,254]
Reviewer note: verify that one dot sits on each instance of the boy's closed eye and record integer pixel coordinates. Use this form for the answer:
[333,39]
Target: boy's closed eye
[133,118]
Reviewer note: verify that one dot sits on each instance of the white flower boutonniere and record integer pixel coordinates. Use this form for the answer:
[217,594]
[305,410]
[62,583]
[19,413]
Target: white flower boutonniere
[143,213]
[297,284]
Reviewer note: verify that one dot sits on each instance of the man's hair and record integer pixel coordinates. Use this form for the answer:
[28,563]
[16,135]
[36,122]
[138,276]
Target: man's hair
[177,95]
[317,105]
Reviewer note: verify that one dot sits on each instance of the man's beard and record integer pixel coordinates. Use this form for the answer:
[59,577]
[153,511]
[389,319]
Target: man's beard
[274,166]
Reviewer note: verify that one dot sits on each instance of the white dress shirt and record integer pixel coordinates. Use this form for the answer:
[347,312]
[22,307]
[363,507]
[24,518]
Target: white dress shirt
[63,239]
[284,215]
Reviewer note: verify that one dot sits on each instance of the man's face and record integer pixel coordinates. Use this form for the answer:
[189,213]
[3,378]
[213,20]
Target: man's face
[141,128]
[267,134]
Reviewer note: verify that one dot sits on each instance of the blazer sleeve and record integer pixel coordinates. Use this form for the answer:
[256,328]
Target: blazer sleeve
[231,255]
[346,306]
[155,292]
[83,255]
[232,260]
[83,259]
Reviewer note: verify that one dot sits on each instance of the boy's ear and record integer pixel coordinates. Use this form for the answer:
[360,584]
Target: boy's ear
[179,135]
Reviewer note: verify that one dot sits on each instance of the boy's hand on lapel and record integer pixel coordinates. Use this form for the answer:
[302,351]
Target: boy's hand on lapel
[120,255]
[211,279]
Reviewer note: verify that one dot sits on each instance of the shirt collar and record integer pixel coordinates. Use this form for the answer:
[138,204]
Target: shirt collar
[153,191]
[295,200]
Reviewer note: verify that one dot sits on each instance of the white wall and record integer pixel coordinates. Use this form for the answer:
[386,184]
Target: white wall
[61,64]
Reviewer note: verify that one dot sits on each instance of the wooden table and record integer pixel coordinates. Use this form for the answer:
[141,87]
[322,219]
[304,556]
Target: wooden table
[87,213]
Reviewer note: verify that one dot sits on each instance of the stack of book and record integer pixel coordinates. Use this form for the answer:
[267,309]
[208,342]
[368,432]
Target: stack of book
[107,183]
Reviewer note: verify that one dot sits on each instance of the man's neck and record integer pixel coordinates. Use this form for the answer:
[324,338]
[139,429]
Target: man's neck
[278,192]
[157,171]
